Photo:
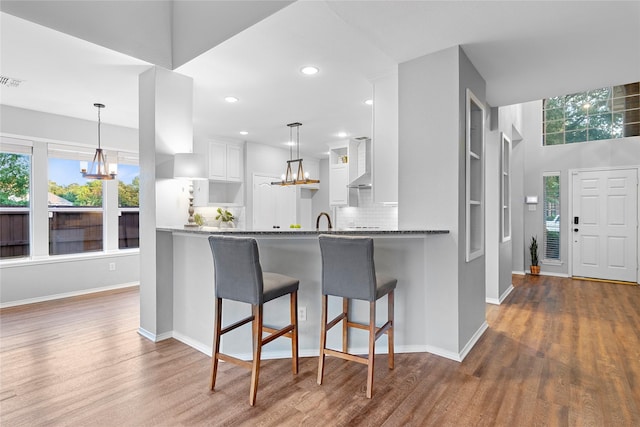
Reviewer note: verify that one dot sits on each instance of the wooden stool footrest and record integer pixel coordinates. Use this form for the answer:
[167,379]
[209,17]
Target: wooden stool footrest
[346,356]
[276,333]
[234,360]
[236,325]
[335,321]
[383,329]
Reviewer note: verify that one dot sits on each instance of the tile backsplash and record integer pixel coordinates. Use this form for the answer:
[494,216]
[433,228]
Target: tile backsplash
[367,214]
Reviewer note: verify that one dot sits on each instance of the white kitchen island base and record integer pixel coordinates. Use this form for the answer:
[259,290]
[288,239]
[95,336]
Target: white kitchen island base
[403,255]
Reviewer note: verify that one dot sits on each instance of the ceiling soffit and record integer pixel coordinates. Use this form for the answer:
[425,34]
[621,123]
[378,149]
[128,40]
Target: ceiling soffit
[164,33]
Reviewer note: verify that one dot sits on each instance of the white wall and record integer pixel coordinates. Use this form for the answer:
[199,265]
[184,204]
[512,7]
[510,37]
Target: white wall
[40,126]
[431,191]
[25,280]
[538,159]
[498,254]
[471,284]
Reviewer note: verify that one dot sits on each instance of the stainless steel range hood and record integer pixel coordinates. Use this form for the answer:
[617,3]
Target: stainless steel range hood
[363,181]
[362,147]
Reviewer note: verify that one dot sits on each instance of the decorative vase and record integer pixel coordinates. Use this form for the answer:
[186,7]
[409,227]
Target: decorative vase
[535,269]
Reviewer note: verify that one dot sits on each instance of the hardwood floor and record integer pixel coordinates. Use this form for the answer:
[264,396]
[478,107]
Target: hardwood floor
[557,352]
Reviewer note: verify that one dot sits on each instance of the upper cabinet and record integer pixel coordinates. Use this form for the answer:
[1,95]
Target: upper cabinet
[226,171]
[349,171]
[225,161]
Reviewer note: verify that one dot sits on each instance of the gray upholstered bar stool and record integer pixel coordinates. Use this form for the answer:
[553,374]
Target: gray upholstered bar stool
[348,271]
[239,277]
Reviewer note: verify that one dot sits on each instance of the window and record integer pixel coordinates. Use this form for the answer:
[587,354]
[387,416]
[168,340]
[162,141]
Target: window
[551,212]
[505,193]
[75,204]
[128,202]
[15,189]
[474,177]
[605,113]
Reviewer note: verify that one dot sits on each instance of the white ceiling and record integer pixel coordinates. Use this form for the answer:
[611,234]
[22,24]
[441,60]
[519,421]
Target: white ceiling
[524,50]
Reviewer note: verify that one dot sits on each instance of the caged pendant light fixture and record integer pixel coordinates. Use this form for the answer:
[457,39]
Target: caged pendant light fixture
[300,177]
[99,168]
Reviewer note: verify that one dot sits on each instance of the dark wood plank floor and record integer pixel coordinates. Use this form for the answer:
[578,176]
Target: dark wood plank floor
[557,352]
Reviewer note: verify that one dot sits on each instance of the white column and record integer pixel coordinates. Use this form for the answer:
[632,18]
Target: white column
[165,128]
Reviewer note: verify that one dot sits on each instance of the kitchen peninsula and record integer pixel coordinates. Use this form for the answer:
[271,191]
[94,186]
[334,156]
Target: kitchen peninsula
[404,254]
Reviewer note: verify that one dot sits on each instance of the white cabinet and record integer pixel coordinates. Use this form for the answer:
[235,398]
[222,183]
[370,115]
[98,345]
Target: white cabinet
[225,185]
[338,181]
[225,161]
[339,174]
[347,161]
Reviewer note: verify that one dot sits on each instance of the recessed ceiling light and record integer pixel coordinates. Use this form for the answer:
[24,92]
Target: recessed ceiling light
[309,70]
[369,101]
[342,134]
[231,99]
[290,143]
[244,132]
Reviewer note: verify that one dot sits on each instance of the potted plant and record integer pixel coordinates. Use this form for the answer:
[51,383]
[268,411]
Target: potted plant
[225,217]
[533,250]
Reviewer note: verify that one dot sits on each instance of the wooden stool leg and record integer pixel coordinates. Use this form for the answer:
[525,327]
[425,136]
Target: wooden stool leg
[391,328]
[216,343]
[372,347]
[345,325]
[257,349]
[323,339]
[294,333]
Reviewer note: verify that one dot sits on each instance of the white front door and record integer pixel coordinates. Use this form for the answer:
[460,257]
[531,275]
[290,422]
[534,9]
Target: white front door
[604,224]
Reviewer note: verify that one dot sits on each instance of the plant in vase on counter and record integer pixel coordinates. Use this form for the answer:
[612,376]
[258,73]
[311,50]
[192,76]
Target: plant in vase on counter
[225,217]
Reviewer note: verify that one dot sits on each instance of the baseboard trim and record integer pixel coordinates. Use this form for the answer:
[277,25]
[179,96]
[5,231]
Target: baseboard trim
[502,297]
[153,337]
[506,293]
[285,354]
[472,342]
[519,273]
[68,295]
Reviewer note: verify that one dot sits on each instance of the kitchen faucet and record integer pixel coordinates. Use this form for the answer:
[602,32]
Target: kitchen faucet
[318,220]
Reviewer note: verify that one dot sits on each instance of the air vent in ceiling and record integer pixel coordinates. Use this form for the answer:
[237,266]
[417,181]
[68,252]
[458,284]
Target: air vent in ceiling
[9,81]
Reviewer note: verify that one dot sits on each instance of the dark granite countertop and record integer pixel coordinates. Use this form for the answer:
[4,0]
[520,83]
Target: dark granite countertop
[299,232]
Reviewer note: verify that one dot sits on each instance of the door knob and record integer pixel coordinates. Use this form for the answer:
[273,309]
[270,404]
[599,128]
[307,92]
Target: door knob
[575,229]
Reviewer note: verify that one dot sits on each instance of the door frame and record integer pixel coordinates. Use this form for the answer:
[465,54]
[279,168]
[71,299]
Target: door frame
[569,223]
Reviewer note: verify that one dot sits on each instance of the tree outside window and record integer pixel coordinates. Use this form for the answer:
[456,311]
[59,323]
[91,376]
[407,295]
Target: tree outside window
[15,173]
[604,113]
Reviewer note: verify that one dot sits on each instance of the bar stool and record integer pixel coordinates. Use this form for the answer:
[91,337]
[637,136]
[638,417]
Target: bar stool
[239,277]
[348,271]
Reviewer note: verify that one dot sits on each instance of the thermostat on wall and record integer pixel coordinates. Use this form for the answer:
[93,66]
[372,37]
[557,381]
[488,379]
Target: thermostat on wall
[531,199]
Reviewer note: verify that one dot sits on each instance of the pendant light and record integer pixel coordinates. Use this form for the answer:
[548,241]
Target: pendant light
[288,178]
[99,168]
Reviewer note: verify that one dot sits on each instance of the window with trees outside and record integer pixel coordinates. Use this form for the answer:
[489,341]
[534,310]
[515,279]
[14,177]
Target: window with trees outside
[604,113]
[75,207]
[128,203]
[15,189]
[551,212]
